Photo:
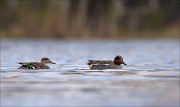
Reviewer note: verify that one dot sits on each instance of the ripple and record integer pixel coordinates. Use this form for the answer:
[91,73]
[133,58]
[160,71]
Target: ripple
[149,76]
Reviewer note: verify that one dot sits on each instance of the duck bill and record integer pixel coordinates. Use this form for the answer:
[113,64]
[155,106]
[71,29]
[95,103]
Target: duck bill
[124,63]
[53,63]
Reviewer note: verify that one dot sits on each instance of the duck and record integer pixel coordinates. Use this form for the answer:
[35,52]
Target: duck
[36,65]
[106,64]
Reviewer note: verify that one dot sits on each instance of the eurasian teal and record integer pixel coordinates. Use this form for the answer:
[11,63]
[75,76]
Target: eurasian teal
[36,65]
[106,64]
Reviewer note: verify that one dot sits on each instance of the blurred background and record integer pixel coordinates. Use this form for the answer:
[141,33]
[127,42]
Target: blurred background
[90,19]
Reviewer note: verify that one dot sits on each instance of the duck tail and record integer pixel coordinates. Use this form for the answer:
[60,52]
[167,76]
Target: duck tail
[89,62]
[21,63]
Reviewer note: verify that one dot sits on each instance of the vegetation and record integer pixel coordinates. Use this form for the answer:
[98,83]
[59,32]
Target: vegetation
[89,19]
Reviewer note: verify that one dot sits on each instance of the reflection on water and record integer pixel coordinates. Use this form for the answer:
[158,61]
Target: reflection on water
[150,78]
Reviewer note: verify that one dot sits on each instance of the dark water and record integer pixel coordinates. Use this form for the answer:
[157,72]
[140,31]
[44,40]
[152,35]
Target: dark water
[151,77]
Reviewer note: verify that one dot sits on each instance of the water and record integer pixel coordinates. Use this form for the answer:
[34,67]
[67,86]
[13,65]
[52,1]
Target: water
[151,77]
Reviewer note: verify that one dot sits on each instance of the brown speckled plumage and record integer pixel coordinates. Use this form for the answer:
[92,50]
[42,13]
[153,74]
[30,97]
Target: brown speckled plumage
[36,65]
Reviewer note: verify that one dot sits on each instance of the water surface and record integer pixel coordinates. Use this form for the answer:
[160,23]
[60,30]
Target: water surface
[151,77]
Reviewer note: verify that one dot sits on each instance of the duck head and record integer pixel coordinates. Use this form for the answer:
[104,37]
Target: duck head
[46,61]
[118,60]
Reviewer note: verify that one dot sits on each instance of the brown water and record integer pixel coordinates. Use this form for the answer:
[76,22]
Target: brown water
[151,77]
